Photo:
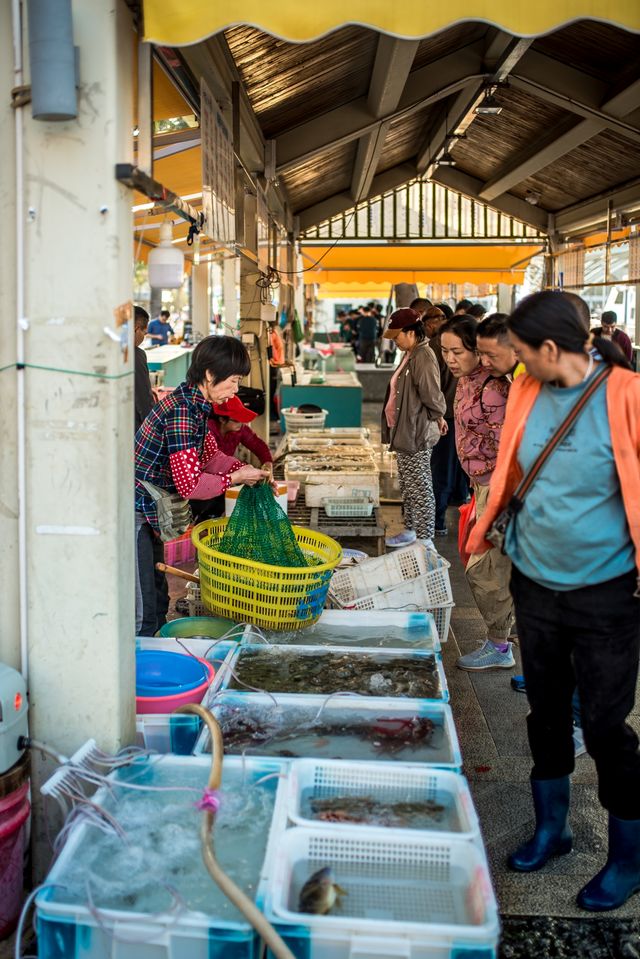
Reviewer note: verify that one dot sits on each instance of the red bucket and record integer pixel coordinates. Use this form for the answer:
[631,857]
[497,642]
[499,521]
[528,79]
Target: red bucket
[14,813]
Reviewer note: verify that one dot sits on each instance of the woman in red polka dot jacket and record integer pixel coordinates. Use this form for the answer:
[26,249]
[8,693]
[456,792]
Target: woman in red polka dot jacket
[176,453]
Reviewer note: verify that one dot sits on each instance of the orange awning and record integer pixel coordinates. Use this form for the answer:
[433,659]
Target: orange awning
[343,265]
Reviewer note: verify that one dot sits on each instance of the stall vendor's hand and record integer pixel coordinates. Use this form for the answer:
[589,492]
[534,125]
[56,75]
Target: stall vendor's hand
[248,475]
[443,426]
[268,468]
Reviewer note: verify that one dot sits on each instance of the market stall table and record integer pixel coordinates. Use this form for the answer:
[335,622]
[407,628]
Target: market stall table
[174,361]
[340,395]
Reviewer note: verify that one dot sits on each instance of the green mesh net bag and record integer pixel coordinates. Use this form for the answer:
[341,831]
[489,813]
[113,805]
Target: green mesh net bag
[259,530]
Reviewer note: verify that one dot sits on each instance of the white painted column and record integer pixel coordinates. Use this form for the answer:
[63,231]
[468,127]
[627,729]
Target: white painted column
[200,300]
[230,282]
[10,628]
[505,298]
[79,403]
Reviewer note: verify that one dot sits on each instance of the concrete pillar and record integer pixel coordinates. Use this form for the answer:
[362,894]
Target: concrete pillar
[230,281]
[505,298]
[200,300]
[10,624]
[254,333]
[79,403]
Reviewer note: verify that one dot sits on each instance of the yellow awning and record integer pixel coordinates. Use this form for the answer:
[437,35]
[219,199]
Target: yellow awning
[360,265]
[182,22]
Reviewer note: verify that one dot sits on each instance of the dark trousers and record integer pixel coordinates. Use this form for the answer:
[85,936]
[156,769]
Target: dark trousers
[450,482]
[589,638]
[152,591]
[367,350]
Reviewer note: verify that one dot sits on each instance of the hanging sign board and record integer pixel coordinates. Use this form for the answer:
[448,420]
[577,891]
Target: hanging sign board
[218,171]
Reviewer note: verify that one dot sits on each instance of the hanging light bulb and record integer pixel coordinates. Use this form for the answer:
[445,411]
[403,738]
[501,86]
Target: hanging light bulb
[166,263]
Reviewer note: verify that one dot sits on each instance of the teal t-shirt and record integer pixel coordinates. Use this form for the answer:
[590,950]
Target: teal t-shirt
[572,530]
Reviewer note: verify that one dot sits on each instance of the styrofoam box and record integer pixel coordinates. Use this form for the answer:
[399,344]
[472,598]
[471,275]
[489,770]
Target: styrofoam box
[341,709]
[331,779]
[416,897]
[319,486]
[167,732]
[224,676]
[419,628]
[393,569]
[71,930]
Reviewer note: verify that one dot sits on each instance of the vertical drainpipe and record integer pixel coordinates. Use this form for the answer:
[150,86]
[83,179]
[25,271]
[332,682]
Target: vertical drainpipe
[21,326]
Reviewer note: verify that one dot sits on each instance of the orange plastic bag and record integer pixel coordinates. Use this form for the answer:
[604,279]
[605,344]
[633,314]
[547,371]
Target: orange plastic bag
[466,524]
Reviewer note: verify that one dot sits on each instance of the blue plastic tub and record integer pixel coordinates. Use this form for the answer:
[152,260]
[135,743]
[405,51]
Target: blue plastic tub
[161,673]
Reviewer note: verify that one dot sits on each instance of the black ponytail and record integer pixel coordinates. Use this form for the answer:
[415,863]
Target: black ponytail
[550,315]
[611,352]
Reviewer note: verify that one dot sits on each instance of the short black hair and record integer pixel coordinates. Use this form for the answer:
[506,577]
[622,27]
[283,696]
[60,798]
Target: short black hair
[477,310]
[165,313]
[221,356]
[463,305]
[609,317]
[446,309]
[420,303]
[463,326]
[140,316]
[494,327]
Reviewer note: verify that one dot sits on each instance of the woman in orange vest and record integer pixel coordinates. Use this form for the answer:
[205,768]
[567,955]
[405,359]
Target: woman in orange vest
[574,544]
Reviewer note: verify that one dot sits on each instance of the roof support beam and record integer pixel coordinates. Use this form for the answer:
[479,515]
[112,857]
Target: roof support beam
[571,89]
[501,56]
[351,121]
[509,205]
[558,142]
[388,78]
[593,211]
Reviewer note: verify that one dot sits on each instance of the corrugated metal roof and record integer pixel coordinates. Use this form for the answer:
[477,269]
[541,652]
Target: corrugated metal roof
[333,84]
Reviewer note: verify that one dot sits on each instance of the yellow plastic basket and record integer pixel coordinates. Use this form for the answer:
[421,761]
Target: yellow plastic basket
[274,597]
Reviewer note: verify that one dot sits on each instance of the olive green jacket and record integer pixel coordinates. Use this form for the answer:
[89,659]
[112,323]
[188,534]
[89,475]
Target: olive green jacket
[420,403]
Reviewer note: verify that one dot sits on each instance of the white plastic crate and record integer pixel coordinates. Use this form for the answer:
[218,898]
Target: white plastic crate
[294,420]
[415,594]
[414,897]
[194,601]
[69,927]
[392,569]
[313,779]
[348,505]
[224,676]
[297,715]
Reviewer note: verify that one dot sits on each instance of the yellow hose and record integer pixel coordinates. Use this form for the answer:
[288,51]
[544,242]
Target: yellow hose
[241,901]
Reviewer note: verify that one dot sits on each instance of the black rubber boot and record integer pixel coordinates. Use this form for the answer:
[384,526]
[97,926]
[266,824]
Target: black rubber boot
[620,877]
[552,836]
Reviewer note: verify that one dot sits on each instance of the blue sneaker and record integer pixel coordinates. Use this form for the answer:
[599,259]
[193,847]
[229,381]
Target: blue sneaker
[405,538]
[487,657]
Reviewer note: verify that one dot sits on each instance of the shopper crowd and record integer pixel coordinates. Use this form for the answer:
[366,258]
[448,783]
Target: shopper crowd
[535,417]
[545,417]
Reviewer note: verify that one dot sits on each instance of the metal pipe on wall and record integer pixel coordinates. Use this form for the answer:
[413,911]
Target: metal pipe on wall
[52,60]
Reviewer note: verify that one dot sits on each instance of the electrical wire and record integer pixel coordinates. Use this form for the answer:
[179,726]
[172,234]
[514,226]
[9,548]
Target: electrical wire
[23,915]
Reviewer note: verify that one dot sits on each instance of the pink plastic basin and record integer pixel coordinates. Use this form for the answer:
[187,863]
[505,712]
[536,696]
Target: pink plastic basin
[14,812]
[167,704]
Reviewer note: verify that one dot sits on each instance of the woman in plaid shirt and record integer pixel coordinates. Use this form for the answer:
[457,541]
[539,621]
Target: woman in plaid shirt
[175,452]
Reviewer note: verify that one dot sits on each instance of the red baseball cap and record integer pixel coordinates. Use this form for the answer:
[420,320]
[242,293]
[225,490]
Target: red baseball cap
[235,410]
[399,320]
